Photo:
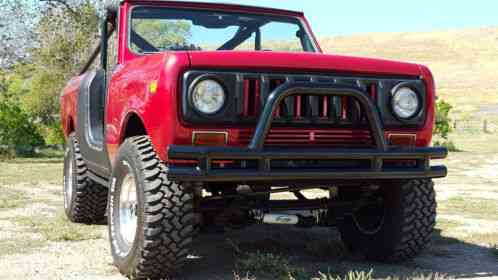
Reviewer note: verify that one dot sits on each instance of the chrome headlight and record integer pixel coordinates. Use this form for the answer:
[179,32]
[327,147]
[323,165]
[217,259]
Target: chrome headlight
[405,102]
[208,96]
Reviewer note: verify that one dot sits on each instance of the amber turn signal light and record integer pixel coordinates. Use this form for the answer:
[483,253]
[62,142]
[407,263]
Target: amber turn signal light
[209,138]
[402,139]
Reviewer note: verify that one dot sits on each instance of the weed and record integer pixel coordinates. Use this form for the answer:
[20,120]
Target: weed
[352,275]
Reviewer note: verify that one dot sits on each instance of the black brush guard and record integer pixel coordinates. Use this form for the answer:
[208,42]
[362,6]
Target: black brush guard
[376,170]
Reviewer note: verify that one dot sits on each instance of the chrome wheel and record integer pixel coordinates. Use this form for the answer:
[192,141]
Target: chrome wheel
[128,210]
[68,184]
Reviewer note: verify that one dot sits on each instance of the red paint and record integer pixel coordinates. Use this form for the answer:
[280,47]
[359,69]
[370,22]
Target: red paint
[344,105]
[325,108]
[302,62]
[128,87]
[298,106]
[373,91]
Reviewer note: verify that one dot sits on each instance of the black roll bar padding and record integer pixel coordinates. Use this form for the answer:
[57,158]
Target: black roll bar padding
[99,47]
[308,88]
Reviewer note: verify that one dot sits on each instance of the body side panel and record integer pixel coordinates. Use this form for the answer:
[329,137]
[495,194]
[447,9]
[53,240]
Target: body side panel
[69,103]
[130,93]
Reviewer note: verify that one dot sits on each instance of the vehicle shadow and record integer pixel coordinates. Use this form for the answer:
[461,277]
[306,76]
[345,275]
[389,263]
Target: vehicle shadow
[320,249]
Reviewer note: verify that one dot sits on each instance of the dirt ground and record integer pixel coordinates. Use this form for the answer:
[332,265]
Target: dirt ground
[36,242]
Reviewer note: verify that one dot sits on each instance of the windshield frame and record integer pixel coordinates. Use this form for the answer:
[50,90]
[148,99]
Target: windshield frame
[299,21]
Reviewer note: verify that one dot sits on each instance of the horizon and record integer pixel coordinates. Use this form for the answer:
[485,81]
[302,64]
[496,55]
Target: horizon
[383,16]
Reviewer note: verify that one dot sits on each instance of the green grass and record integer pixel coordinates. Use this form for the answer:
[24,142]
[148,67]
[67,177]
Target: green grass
[470,207]
[51,153]
[11,199]
[59,228]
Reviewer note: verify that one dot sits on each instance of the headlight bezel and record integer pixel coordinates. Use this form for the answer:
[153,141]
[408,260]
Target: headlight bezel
[194,85]
[396,90]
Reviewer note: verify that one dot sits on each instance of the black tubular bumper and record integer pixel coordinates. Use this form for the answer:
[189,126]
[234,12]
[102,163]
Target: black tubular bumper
[377,159]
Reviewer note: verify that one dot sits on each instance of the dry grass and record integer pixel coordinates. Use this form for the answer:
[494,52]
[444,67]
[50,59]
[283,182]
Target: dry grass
[31,171]
[59,228]
[10,198]
[464,62]
[470,207]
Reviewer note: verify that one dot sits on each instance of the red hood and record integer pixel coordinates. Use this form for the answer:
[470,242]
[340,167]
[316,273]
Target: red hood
[311,62]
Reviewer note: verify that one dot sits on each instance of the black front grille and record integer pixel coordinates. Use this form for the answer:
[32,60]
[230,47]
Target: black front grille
[304,109]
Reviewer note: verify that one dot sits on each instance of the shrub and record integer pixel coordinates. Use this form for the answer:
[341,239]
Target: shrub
[443,121]
[18,132]
[54,134]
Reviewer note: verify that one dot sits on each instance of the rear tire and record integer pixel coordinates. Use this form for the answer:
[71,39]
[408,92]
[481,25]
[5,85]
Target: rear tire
[404,229]
[163,210]
[84,200]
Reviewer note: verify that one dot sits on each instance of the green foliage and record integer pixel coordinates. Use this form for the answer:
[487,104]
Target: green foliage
[54,135]
[18,132]
[162,34]
[64,36]
[443,121]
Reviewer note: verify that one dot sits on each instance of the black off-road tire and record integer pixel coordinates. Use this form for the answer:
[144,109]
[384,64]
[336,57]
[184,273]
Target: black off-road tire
[165,215]
[87,201]
[407,226]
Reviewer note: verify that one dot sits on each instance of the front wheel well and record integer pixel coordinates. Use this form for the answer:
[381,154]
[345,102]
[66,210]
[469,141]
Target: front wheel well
[134,127]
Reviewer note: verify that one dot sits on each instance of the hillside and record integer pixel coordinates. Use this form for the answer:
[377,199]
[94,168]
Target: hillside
[464,62]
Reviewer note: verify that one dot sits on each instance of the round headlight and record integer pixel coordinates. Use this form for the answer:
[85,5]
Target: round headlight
[405,103]
[208,96]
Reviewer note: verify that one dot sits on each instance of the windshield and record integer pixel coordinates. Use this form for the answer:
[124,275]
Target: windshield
[156,29]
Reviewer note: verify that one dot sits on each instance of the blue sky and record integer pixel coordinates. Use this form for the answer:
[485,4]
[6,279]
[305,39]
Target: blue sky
[333,17]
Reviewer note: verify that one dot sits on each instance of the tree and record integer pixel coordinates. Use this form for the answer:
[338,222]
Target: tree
[18,132]
[162,34]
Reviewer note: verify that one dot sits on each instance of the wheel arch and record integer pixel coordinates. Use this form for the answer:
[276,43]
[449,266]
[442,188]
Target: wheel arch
[133,125]
[68,126]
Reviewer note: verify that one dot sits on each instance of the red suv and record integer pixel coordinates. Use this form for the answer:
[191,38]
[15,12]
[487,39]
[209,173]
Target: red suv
[188,116]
